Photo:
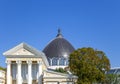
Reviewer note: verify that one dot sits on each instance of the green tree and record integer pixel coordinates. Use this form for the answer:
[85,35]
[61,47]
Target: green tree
[89,65]
[1,68]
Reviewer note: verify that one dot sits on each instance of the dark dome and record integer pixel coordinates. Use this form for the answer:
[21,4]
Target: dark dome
[59,47]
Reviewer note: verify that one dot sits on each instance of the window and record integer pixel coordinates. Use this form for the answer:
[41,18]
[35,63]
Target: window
[62,61]
[34,71]
[50,61]
[54,61]
[67,62]
[24,71]
[14,71]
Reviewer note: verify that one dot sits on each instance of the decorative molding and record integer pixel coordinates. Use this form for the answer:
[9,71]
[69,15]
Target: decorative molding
[40,62]
[18,62]
[29,62]
[8,62]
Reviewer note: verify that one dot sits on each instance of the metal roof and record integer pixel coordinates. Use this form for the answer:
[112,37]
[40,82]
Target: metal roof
[58,47]
[115,70]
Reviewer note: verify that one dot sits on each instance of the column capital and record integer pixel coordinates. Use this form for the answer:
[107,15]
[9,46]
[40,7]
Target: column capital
[8,61]
[18,62]
[29,62]
[39,62]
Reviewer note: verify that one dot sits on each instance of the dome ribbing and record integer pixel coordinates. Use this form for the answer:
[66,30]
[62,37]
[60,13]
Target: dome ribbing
[58,47]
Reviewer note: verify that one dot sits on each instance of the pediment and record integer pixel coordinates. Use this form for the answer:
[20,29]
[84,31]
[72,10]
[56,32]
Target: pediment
[22,51]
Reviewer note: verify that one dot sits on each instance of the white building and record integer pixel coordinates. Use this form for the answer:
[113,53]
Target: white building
[27,65]
[2,77]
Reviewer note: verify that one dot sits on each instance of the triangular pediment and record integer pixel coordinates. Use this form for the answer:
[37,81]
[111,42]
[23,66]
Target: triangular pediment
[22,51]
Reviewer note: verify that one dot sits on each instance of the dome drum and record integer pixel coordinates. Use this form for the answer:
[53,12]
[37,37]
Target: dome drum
[58,61]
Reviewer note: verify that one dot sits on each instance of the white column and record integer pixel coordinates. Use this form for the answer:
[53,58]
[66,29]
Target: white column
[58,61]
[50,61]
[29,72]
[8,72]
[65,63]
[39,72]
[19,77]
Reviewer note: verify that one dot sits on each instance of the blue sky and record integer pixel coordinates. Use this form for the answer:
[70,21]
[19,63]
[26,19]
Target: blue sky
[84,23]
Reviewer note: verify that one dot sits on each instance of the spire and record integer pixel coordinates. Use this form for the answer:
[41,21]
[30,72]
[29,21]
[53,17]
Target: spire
[59,33]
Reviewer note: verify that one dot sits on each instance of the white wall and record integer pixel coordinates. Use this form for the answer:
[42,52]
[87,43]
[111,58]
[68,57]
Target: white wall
[2,77]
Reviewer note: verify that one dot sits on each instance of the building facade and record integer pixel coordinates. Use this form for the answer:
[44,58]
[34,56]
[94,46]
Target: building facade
[2,77]
[27,65]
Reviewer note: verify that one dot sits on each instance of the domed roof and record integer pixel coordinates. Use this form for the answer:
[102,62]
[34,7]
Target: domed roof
[58,47]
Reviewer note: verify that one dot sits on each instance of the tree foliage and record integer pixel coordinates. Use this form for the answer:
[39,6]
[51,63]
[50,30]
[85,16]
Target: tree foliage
[1,68]
[89,65]
[61,70]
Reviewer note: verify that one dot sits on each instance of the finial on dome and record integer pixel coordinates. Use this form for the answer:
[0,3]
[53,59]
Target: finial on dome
[59,33]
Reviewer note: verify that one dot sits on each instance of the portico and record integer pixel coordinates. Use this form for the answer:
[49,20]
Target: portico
[24,74]
[25,65]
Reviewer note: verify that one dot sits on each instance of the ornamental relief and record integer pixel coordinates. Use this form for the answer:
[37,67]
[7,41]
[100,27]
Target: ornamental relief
[22,51]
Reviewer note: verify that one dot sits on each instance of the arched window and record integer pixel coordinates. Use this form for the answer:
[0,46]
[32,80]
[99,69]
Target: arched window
[54,61]
[62,61]
[67,62]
